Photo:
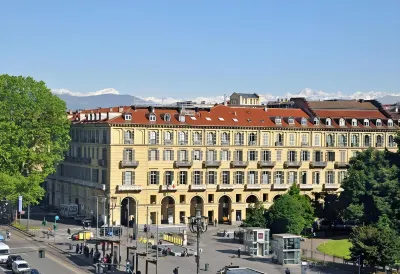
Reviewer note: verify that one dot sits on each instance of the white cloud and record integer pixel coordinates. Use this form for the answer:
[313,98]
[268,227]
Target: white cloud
[79,94]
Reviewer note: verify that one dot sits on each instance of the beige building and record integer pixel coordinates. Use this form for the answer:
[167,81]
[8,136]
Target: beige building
[217,160]
[245,99]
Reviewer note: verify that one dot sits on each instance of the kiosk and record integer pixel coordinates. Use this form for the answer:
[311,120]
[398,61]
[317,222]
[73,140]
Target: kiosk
[256,241]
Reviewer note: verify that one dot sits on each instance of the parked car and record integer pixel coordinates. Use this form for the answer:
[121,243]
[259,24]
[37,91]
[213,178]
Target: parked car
[11,259]
[34,271]
[20,267]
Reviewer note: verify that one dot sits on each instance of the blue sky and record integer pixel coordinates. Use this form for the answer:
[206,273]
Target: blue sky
[204,48]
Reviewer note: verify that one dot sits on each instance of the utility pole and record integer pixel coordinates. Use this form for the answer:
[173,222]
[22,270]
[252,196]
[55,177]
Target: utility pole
[136,222]
[147,230]
[198,247]
[97,216]
[128,220]
[157,243]
[29,216]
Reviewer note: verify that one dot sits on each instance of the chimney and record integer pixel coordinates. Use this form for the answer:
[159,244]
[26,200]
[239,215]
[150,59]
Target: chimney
[111,109]
[225,102]
[265,108]
[397,109]
[120,109]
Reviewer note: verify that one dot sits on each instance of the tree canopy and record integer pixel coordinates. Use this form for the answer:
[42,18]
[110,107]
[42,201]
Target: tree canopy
[290,213]
[34,136]
[255,216]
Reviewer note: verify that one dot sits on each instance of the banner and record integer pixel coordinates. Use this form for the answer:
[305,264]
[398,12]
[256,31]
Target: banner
[20,204]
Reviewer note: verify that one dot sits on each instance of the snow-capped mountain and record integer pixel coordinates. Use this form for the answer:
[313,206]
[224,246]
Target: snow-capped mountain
[112,97]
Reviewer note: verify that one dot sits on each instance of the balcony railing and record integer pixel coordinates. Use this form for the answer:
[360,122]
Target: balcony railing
[212,163]
[318,164]
[341,165]
[330,144]
[153,142]
[379,144]
[225,143]
[392,144]
[102,162]
[196,142]
[168,142]
[278,144]
[225,186]
[211,143]
[304,144]
[331,186]
[239,143]
[128,141]
[253,186]
[367,144]
[306,186]
[341,144]
[266,163]
[182,142]
[129,163]
[355,144]
[292,164]
[129,188]
[198,187]
[183,163]
[239,163]
[252,143]
[280,186]
[168,188]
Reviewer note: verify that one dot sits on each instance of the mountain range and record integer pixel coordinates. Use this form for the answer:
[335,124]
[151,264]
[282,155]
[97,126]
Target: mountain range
[111,97]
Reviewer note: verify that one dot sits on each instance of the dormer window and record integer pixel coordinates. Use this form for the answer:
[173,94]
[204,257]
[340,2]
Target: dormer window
[390,123]
[182,118]
[378,122]
[167,117]
[303,121]
[354,122]
[316,121]
[342,122]
[152,117]
[278,120]
[291,121]
[366,123]
[328,122]
[128,116]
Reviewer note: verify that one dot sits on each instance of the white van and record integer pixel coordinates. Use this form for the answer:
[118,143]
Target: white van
[69,210]
[4,252]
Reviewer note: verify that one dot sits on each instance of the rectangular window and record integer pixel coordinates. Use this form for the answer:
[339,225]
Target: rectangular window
[252,155]
[316,177]
[183,155]
[153,155]
[183,177]
[128,155]
[252,139]
[225,155]
[238,154]
[197,138]
[279,155]
[211,138]
[252,177]
[342,175]
[182,137]
[266,177]
[317,140]
[153,137]
[197,177]
[304,140]
[225,179]
[225,138]
[331,156]
[197,155]
[330,177]
[292,177]
[212,155]
[343,156]
[292,156]
[318,156]
[279,177]
[292,140]
[266,155]
[265,139]
[239,138]
[128,177]
[211,177]
[305,155]
[154,177]
[239,177]
[168,155]
[169,178]
[304,177]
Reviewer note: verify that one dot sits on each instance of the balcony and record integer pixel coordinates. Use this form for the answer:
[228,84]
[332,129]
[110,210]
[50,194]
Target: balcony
[266,164]
[168,188]
[280,186]
[129,163]
[102,162]
[292,164]
[342,144]
[330,144]
[331,186]
[128,141]
[197,142]
[224,143]
[133,188]
[239,164]
[278,144]
[304,144]
[341,165]
[211,143]
[355,144]
[183,142]
[380,144]
[78,182]
[252,143]
[212,163]
[198,187]
[253,186]
[306,186]
[318,164]
[226,187]
[168,142]
[181,163]
[239,143]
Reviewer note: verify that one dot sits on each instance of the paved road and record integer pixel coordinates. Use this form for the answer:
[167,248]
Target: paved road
[29,251]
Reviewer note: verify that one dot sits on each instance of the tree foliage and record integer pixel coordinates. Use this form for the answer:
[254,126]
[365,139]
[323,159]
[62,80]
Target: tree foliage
[290,213]
[34,136]
[255,216]
[371,188]
[376,246]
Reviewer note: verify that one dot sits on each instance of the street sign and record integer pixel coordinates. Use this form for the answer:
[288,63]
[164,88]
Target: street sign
[20,204]
[57,218]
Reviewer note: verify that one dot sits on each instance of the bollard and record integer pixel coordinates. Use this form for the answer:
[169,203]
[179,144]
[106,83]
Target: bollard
[42,253]
[206,267]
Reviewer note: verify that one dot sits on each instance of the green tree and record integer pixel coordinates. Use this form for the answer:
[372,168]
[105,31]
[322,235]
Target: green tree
[376,246]
[290,213]
[34,136]
[255,216]
[370,188]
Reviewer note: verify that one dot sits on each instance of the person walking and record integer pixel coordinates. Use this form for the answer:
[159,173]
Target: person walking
[287,271]
[77,248]
[238,252]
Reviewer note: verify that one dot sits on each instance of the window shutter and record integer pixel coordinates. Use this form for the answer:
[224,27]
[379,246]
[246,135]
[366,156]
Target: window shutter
[234,177]
[215,155]
[149,153]
[269,174]
[133,155]
[256,155]
[248,155]
[283,177]
[308,156]
[326,177]
[220,154]
[149,137]
[157,137]
[229,155]
[201,177]
[215,177]
[165,155]
[173,177]
[192,156]
[123,178]
[148,178]
[235,155]
[165,178]
[274,177]
[333,177]
[295,177]
[201,155]
[186,136]
[313,177]
[133,178]
[248,177]
[172,155]
[288,156]
[315,156]
[256,177]
[158,177]
[157,155]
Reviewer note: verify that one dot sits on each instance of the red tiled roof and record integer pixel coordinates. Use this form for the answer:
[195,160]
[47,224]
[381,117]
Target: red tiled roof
[357,114]
[341,104]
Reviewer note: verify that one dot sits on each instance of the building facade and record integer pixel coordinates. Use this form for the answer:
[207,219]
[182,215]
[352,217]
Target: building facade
[140,161]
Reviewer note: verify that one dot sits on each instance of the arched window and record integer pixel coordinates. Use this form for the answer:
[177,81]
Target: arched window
[342,140]
[152,117]
[354,122]
[390,123]
[354,141]
[378,122]
[225,138]
[316,121]
[211,140]
[128,137]
[252,138]
[342,122]
[279,139]
[391,141]
[379,141]
[278,120]
[182,137]
[366,123]
[291,120]
[168,137]
[167,117]
[303,121]
[329,140]
[328,122]
[367,141]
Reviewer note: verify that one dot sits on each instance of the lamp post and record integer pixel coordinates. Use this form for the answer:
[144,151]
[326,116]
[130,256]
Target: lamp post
[198,225]
[113,205]
[97,214]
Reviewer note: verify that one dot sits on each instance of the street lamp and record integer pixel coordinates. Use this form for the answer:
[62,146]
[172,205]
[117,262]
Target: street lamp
[97,213]
[198,225]
[113,205]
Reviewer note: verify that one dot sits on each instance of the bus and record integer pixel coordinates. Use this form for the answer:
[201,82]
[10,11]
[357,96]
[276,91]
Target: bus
[115,230]
[69,210]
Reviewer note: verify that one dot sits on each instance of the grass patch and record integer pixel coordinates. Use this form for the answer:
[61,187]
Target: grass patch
[338,248]
[23,227]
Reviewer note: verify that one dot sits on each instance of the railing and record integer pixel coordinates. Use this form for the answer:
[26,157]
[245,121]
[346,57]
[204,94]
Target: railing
[355,144]
[304,144]
[280,186]
[225,186]
[253,186]
[224,143]
[380,144]
[252,143]
[341,165]
[168,188]
[129,188]
[129,163]
[239,163]
[340,144]
[328,144]
[183,142]
[211,143]
[294,164]
[278,144]
[128,141]
[168,142]
[367,144]
[181,163]
[239,143]
[331,186]
[198,187]
[197,142]
[212,163]
[266,163]
[392,144]
[306,186]
[320,164]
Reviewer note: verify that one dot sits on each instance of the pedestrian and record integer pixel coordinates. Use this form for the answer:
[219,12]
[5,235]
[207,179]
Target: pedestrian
[91,253]
[238,252]
[287,271]
[176,270]
[145,228]
[69,231]
[77,248]
[81,248]
[215,222]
